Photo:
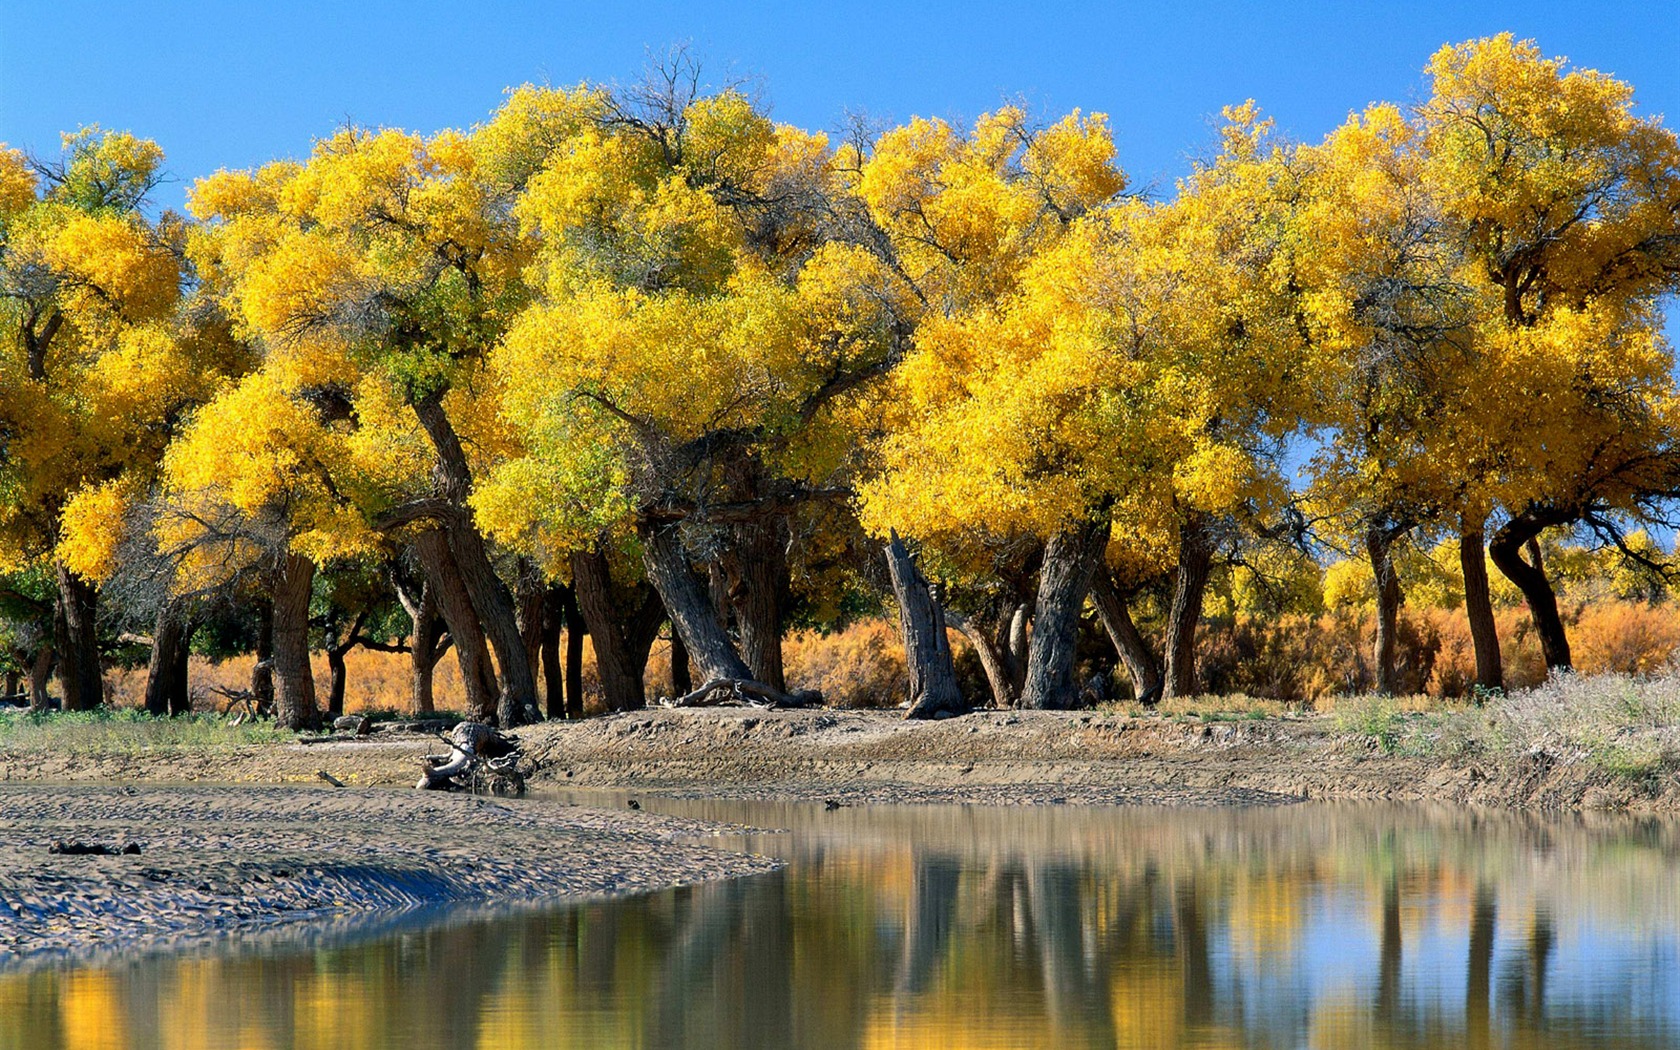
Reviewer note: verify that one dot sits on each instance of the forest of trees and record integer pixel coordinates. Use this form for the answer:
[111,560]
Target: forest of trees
[637,360]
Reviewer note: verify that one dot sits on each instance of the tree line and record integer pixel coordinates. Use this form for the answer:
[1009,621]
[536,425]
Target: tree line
[628,359]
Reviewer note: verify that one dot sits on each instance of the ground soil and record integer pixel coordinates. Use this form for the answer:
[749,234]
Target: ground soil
[1014,757]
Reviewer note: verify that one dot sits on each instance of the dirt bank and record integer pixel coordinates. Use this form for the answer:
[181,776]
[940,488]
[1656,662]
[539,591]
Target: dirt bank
[992,757]
[232,861]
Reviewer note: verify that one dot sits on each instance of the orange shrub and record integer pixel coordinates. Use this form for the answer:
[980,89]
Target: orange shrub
[860,666]
[1623,637]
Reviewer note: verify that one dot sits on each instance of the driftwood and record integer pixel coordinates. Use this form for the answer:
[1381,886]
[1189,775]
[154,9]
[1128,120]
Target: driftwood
[248,706]
[742,692]
[480,760]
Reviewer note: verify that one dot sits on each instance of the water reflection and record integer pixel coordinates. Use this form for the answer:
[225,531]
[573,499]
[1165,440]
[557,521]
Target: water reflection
[965,927]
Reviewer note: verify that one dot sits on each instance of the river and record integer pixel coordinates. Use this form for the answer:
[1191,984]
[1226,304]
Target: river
[1314,925]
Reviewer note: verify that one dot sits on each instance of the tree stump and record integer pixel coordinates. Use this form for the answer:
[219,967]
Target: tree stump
[481,761]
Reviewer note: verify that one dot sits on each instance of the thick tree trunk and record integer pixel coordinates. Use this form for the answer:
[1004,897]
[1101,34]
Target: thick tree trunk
[79,673]
[621,675]
[40,673]
[1478,607]
[530,596]
[998,678]
[166,672]
[437,560]
[761,578]
[682,682]
[262,672]
[490,598]
[1069,559]
[1379,547]
[1142,665]
[690,608]
[295,706]
[425,649]
[1506,551]
[575,630]
[1014,650]
[927,648]
[553,670]
[1195,559]
[337,674]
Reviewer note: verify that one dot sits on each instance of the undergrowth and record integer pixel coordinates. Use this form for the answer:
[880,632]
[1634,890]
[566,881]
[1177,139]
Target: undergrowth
[127,731]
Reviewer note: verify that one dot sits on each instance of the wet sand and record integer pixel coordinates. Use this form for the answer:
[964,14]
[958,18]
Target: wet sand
[225,861]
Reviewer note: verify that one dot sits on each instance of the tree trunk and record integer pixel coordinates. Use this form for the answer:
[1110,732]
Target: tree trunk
[1379,547]
[691,610]
[1478,607]
[490,598]
[424,650]
[927,648]
[529,597]
[621,676]
[40,672]
[1069,559]
[13,680]
[553,670]
[682,682]
[295,706]
[1142,665]
[79,673]
[1506,551]
[1014,651]
[166,679]
[262,672]
[575,630]
[337,673]
[998,678]
[761,562]
[1195,559]
[455,604]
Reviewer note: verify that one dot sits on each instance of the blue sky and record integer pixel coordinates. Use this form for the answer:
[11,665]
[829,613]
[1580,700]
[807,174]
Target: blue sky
[235,84]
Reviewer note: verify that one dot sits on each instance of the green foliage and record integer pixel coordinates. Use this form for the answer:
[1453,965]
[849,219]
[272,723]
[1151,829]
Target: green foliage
[127,732]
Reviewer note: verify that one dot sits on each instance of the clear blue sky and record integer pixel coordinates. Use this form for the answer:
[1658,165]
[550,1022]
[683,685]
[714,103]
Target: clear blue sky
[235,84]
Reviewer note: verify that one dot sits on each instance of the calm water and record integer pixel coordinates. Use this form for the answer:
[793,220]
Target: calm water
[1312,926]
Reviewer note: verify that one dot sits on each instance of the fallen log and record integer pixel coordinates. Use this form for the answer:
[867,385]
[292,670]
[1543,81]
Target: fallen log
[742,692]
[480,760]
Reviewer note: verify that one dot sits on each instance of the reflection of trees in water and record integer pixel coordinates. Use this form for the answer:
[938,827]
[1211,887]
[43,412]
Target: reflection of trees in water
[1149,932]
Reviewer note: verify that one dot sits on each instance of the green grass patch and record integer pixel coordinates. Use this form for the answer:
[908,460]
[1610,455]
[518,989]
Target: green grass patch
[124,731]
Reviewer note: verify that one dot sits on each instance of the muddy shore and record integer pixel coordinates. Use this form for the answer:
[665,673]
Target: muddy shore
[236,861]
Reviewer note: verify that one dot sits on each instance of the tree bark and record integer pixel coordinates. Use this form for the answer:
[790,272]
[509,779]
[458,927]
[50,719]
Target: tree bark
[1142,665]
[40,672]
[621,675]
[529,595]
[1195,559]
[554,670]
[337,673]
[1506,551]
[761,570]
[1379,548]
[489,595]
[1014,650]
[79,674]
[1069,559]
[927,648]
[998,677]
[426,643]
[455,604]
[295,706]
[691,610]
[682,682]
[1478,607]
[575,630]
[166,672]
[262,672]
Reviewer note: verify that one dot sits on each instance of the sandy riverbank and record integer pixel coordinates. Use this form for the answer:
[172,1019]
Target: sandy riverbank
[235,861]
[1015,757]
